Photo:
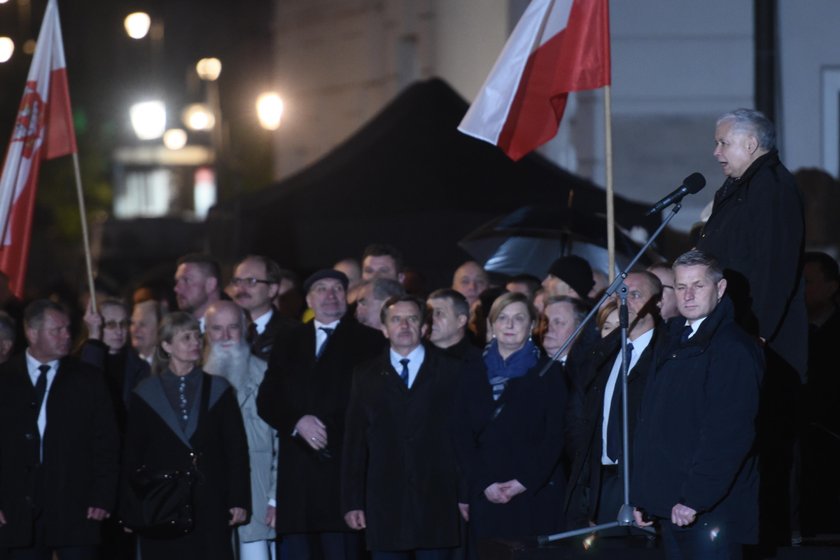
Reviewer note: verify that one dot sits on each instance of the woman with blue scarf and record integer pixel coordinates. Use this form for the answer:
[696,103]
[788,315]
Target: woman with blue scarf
[510,441]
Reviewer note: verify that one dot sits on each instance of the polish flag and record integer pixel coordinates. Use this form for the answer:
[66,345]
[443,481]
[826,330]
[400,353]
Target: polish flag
[44,128]
[558,46]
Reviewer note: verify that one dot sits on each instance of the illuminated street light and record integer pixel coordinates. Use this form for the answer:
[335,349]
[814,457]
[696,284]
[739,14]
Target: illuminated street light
[7,47]
[175,138]
[270,110]
[198,116]
[209,69]
[148,119]
[137,24]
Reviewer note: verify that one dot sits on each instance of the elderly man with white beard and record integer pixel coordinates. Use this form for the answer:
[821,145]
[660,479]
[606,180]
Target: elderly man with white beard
[227,354]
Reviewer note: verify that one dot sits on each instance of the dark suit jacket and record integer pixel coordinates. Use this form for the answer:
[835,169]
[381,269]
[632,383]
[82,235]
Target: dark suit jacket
[695,437]
[757,231]
[296,384]
[81,450]
[399,462]
[130,370]
[261,344]
[520,436]
[585,420]
[154,438]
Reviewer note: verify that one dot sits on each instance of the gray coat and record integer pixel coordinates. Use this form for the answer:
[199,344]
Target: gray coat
[262,448]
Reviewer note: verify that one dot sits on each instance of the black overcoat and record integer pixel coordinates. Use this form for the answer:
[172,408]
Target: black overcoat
[757,232]
[155,439]
[521,437]
[399,461]
[81,453]
[695,438]
[585,422]
[296,384]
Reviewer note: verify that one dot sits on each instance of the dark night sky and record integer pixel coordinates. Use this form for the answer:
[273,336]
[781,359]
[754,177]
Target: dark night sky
[108,71]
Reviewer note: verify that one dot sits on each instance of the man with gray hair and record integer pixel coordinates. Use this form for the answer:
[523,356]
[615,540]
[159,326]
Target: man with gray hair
[371,295]
[757,231]
[228,355]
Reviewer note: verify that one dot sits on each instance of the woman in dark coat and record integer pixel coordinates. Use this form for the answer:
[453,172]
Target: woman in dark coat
[511,441]
[165,432]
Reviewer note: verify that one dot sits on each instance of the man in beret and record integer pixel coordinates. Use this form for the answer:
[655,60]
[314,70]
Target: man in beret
[569,276]
[304,397]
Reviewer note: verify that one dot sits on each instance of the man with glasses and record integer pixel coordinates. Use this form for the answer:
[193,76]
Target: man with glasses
[255,283]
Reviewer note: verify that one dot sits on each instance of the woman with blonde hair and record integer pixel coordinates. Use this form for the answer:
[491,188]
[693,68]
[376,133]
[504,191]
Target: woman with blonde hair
[182,420]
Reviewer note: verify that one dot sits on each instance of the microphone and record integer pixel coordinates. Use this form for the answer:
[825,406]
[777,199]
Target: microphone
[692,184]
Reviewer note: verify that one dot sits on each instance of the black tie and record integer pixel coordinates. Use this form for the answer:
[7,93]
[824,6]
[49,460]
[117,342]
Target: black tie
[685,334]
[328,331]
[404,372]
[614,426]
[40,387]
[252,333]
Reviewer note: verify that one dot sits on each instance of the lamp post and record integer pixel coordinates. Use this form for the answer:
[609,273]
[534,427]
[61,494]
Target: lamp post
[7,48]
[270,110]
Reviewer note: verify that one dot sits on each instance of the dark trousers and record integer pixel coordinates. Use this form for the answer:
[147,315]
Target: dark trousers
[704,540]
[39,551]
[332,546]
[423,554]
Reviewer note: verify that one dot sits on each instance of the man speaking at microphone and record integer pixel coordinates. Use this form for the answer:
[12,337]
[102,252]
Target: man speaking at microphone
[756,230]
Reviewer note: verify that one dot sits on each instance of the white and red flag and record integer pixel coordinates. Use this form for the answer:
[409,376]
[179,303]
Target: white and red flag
[558,46]
[43,128]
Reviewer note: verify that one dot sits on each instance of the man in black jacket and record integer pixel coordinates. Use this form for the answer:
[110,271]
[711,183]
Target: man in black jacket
[694,465]
[58,445]
[756,231]
[304,397]
[596,490]
[398,478]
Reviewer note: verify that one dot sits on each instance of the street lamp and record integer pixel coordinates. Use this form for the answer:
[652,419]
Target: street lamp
[7,47]
[148,118]
[209,69]
[175,138]
[198,116]
[270,110]
[137,24]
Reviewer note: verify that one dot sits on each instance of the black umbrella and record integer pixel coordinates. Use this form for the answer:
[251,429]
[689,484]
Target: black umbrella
[530,238]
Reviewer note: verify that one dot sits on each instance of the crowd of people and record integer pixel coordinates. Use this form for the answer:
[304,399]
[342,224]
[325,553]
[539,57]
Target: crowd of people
[348,413]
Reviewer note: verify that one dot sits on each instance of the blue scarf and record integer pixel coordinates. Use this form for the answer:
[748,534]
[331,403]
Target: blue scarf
[500,370]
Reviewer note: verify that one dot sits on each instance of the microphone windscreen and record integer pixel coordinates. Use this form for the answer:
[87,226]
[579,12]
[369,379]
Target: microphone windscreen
[695,182]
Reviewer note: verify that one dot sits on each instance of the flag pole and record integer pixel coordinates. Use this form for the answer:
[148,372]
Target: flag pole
[609,180]
[85,239]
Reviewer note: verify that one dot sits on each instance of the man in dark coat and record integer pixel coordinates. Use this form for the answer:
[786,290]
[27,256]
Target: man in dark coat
[694,465]
[757,232]
[399,479]
[58,445]
[304,397]
[596,490]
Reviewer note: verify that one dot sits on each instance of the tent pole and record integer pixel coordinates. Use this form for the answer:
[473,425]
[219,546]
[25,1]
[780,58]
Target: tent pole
[608,161]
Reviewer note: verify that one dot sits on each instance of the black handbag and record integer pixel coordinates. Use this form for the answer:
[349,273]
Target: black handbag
[165,498]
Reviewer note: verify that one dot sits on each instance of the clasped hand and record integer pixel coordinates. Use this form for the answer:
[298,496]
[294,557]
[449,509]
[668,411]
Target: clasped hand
[503,492]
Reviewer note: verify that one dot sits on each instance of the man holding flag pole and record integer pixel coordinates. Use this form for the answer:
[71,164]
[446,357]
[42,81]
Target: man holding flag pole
[43,129]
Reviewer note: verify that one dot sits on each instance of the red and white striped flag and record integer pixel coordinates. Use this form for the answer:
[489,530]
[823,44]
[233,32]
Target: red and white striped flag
[558,46]
[43,128]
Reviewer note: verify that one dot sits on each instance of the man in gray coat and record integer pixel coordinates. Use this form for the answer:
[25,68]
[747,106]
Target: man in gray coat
[229,356]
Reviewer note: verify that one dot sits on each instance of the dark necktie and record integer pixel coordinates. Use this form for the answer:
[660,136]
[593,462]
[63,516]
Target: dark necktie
[252,333]
[685,334]
[404,372]
[614,425]
[328,331]
[40,388]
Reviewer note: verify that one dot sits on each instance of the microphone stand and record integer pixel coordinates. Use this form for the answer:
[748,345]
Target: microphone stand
[624,517]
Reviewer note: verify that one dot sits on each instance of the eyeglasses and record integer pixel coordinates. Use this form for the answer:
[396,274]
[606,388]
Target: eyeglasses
[250,282]
[111,325]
